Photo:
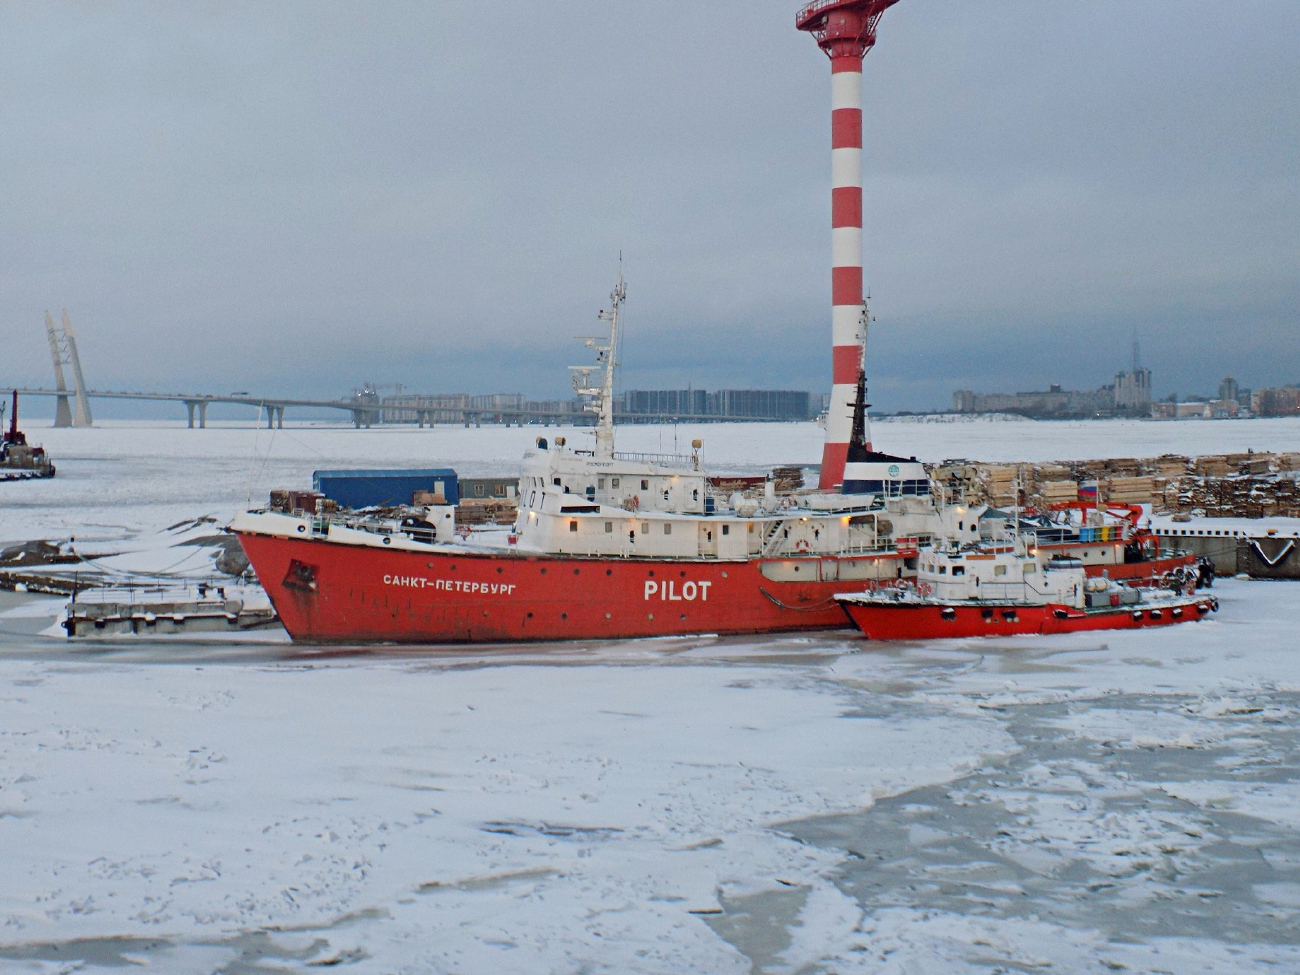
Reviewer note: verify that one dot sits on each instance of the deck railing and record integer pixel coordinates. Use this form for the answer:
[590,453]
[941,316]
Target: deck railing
[659,460]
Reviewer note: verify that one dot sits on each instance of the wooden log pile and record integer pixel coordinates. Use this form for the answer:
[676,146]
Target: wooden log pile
[1242,485]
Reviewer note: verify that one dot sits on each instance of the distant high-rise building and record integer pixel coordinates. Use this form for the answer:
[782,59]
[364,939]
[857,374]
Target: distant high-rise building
[1133,389]
[666,402]
[1228,389]
[766,404]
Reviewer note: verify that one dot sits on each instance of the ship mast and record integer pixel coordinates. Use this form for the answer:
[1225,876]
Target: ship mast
[860,433]
[602,396]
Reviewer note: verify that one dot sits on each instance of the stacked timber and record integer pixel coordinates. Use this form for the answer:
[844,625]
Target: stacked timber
[1128,490]
[1235,496]
[1244,485]
[1000,485]
[959,481]
[787,480]
[1123,467]
[486,511]
[1170,465]
[1212,466]
[1051,493]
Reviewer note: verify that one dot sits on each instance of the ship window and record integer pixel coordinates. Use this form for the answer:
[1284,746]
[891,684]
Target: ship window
[1031,568]
[614,482]
[645,485]
[609,527]
[999,570]
[573,526]
[726,529]
[600,483]
[943,570]
[961,526]
[668,528]
[645,528]
[556,482]
[959,570]
[695,495]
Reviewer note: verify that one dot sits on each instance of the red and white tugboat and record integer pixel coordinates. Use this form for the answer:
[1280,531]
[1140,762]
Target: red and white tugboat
[998,589]
[606,544]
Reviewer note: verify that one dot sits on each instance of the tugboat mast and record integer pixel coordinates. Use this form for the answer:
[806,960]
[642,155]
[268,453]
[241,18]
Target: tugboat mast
[860,434]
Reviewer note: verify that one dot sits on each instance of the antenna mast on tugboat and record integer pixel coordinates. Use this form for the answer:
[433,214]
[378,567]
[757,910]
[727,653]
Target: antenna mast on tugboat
[860,436]
[602,396]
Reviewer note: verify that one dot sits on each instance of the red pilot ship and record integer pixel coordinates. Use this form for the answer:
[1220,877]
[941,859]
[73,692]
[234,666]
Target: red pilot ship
[606,544]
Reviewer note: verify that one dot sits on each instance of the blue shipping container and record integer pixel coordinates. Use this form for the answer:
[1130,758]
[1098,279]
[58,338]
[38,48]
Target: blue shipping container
[369,488]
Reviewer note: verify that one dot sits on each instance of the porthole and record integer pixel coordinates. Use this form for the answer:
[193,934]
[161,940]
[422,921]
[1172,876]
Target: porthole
[609,615]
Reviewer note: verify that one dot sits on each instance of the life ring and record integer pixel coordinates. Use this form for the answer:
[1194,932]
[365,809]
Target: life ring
[802,545]
[923,589]
[901,584]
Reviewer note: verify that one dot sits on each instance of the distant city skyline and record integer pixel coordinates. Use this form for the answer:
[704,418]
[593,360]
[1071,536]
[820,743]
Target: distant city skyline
[307,196]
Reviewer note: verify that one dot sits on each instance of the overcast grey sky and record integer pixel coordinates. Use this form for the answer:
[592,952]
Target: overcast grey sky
[298,197]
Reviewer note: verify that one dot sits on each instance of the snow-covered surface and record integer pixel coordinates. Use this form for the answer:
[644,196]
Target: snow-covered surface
[1092,802]
[795,803]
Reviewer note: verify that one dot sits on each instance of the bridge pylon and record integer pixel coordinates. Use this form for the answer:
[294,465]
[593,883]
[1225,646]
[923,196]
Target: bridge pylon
[63,350]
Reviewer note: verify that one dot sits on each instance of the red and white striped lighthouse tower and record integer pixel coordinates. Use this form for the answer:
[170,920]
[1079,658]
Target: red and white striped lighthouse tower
[846,31]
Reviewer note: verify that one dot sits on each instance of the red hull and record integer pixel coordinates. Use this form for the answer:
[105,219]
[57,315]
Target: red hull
[332,593]
[1143,573]
[927,621]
